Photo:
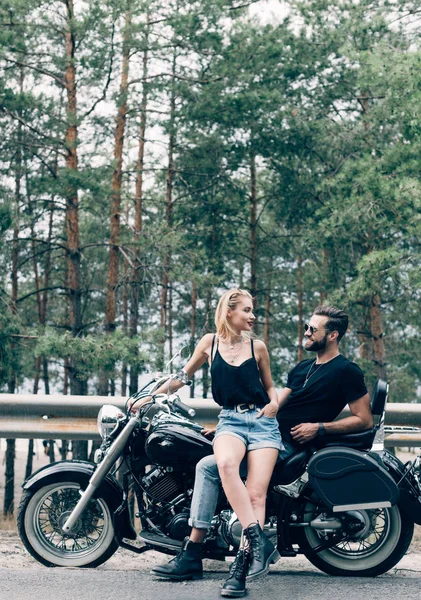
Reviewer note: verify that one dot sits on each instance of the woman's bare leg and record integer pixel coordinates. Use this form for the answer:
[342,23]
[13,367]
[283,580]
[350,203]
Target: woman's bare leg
[260,465]
[229,451]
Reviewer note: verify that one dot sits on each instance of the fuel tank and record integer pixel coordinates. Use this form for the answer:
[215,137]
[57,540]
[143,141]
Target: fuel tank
[177,445]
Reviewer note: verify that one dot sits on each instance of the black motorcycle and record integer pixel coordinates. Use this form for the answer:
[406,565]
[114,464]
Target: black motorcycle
[349,506]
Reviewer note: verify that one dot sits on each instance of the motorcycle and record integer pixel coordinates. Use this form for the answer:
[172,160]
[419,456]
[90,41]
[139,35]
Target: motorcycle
[346,503]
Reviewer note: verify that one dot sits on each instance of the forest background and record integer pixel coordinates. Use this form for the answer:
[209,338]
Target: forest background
[156,153]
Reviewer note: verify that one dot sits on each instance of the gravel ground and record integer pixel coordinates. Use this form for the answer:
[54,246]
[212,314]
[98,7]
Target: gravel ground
[14,555]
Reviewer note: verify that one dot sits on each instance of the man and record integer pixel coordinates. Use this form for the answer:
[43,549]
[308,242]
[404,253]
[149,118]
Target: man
[316,392]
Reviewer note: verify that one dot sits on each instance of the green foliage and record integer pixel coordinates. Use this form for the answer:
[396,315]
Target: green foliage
[11,348]
[327,102]
[92,353]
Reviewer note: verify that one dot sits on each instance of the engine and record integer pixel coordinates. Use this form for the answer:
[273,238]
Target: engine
[230,528]
[169,500]
[161,484]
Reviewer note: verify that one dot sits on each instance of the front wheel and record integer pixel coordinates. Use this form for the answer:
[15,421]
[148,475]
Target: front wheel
[373,551]
[42,515]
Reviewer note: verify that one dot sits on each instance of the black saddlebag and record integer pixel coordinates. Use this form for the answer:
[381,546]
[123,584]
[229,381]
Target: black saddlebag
[348,479]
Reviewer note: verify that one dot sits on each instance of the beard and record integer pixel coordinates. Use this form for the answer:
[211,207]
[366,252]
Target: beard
[316,346]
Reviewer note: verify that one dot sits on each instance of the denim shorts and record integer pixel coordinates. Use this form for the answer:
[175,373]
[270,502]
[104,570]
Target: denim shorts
[254,433]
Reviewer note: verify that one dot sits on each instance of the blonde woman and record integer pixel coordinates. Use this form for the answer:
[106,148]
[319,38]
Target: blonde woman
[242,385]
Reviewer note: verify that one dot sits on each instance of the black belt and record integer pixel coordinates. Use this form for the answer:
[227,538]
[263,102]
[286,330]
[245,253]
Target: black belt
[242,408]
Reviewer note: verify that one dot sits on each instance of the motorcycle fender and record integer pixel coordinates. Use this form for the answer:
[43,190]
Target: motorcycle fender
[81,471]
[410,498]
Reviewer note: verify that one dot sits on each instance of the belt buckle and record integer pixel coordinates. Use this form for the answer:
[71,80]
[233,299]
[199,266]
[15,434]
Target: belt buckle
[242,408]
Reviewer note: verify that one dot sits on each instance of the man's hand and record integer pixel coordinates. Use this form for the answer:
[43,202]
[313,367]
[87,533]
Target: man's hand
[305,432]
[270,410]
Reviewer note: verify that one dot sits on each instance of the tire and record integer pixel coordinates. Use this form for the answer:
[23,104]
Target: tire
[42,513]
[380,548]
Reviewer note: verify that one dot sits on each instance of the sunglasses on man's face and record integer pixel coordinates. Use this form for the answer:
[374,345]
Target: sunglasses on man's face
[312,329]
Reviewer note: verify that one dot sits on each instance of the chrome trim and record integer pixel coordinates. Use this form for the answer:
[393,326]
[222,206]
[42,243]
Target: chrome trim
[363,505]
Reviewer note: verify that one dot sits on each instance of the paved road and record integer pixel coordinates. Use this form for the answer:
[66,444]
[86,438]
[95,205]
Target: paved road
[69,584]
[126,576]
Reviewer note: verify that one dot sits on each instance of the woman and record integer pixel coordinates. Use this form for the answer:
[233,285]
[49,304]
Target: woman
[242,385]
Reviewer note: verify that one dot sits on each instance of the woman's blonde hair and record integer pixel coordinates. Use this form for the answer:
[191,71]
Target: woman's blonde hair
[228,301]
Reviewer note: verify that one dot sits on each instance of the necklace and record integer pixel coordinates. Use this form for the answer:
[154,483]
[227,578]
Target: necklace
[309,373]
[231,346]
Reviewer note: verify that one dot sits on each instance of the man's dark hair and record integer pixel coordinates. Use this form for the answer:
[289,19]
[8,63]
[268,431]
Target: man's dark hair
[337,319]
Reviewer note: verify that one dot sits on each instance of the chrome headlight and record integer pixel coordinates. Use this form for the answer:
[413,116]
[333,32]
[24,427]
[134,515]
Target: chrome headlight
[109,418]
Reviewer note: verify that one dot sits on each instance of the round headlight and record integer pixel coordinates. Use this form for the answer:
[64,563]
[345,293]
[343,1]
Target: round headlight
[108,420]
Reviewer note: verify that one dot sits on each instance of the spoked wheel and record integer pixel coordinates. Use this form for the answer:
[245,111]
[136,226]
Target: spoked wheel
[42,515]
[376,548]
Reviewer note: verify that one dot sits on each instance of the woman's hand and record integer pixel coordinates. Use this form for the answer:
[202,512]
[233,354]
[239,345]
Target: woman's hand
[270,410]
[208,430]
[134,405]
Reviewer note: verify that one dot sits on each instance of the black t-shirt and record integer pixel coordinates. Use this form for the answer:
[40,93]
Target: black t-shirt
[329,388]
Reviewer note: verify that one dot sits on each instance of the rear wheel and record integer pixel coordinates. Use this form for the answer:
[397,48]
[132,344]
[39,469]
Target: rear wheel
[378,547]
[42,515]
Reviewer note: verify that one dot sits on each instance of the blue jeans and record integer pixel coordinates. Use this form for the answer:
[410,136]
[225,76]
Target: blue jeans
[255,433]
[207,486]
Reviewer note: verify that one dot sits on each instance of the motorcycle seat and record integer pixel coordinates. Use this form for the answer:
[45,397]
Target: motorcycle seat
[289,470]
[363,440]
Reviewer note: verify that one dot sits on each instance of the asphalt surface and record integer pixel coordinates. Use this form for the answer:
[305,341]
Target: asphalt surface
[69,584]
[127,576]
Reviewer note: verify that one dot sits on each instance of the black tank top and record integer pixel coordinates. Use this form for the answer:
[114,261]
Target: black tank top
[236,385]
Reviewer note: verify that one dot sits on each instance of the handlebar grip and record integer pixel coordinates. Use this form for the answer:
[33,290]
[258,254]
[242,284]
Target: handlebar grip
[187,410]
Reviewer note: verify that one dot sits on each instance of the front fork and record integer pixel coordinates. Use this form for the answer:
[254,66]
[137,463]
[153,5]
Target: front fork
[100,474]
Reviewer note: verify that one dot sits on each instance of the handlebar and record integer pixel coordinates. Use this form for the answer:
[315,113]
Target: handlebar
[187,411]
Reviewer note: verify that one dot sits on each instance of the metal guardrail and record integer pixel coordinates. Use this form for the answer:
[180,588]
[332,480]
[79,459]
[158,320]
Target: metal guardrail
[70,417]
[74,417]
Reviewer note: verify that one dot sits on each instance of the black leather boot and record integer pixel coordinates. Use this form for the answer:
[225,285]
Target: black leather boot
[186,565]
[235,585]
[262,551]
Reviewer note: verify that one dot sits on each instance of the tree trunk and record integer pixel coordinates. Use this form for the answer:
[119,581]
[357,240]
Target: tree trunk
[138,217]
[64,449]
[115,226]
[205,368]
[193,329]
[253,227]
[64,443]
[116,185]
[266,329]
[377,333]
[9,485]
[35,388]
[51,451]
[42,307]
[77,386]
[170,322]
[72,199]
[364,335]
[300,323]
[164,309]
[325,278]
[125,316]
[168,210]
[66,377]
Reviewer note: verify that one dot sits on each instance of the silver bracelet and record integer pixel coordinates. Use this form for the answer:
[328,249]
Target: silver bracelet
[183,377]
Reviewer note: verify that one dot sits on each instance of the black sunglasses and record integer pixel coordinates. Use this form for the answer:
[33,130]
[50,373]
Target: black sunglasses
[312,329]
